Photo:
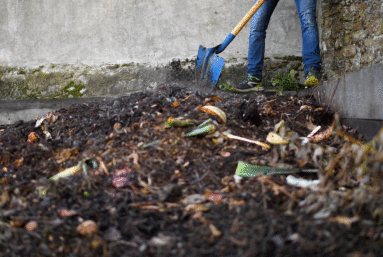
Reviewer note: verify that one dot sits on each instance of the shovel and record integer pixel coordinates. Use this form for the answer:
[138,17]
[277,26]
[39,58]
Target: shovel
[209,65]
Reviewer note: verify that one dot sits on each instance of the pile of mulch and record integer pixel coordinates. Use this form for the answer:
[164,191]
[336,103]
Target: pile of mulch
[144,189]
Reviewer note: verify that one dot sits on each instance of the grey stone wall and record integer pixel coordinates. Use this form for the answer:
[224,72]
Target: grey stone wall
[351,35]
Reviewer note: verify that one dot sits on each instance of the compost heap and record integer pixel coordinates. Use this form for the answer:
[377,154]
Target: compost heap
[139,176]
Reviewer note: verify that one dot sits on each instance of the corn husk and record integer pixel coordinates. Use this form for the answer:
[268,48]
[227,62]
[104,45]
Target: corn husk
[276,139]
[213,110]
[174,122]
[67,172]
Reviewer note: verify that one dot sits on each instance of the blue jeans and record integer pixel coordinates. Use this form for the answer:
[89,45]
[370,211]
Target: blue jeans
[310,36]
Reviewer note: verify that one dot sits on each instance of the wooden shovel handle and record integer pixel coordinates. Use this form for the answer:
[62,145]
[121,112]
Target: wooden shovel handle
[238,28]
[247,17]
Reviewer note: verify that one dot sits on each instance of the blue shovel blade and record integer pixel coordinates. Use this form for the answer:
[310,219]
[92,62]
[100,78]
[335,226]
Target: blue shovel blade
[209,66]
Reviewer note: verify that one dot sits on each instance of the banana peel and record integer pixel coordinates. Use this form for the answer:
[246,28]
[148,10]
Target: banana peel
[83,166]
[67,172]
[174,122]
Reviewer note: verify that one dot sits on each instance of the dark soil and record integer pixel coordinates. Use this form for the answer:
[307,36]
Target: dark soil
[177,196]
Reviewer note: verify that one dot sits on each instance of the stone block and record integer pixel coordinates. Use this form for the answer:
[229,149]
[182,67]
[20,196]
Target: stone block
[368,42]
[377,43]
[349,51]
[359,35]
[379,27]
[367,58]
[337,29]
[347,39]
[338,44]
[357,26]
[347,26]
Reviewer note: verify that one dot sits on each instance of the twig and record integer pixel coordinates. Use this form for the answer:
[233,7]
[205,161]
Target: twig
[248,140]
[264,195]
[102,165]
[199,179]
[323,135]
[348,138]
[332,165]
[275,186]
[212,175]
[126,243]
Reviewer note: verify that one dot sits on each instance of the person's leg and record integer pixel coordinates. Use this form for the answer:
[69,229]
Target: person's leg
[310,35]
[259,24]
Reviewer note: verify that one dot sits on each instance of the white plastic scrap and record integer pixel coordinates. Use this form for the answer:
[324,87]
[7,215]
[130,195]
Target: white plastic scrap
[39,122]
[314,131]
[305,140]
[194,199]
[237,179]
[317,154]
[301,182]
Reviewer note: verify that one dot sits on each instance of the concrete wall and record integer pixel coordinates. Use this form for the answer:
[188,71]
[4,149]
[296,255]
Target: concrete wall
[92,32]
[357,97]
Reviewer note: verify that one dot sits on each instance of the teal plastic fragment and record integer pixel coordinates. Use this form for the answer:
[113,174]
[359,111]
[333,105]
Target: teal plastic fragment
[248,170]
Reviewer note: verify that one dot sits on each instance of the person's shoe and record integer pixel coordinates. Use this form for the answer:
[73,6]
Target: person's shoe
[312,78]
[250,83]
